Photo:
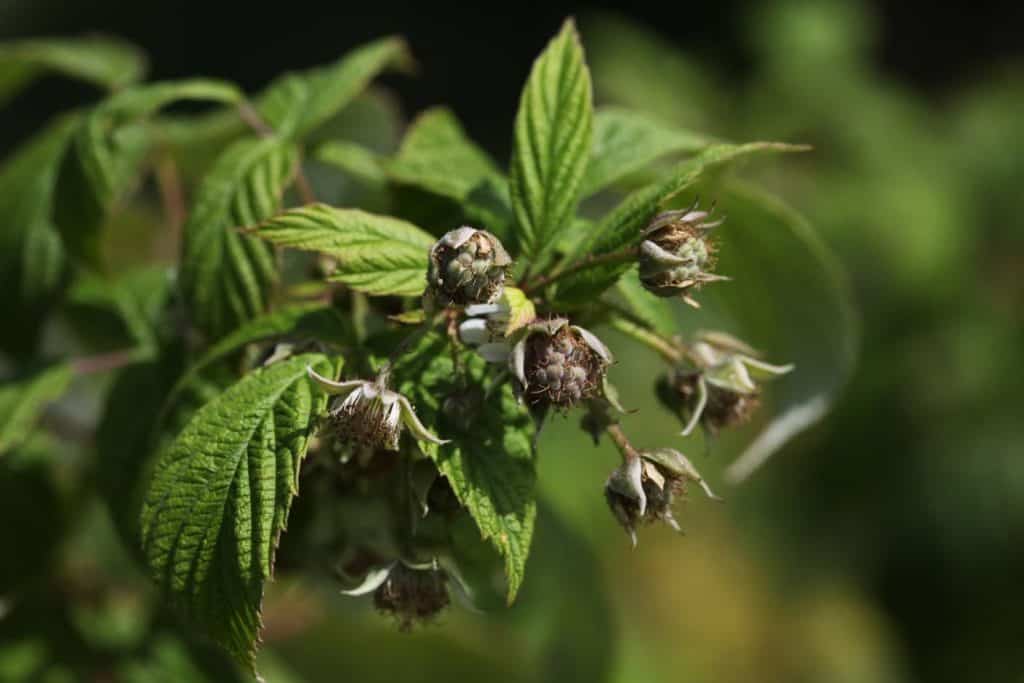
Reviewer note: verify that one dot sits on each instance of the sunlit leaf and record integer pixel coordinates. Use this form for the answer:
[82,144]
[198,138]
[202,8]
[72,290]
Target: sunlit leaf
[626,141]
[296,104]
[552,144]
[376,254]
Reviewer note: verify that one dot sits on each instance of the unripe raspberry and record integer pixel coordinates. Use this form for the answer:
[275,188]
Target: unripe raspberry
[676,254]
[467,266]
[559,364]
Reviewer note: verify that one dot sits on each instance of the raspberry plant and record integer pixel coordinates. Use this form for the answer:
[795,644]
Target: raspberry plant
[400,354]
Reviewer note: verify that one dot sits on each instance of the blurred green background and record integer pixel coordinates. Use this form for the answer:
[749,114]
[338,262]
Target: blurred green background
[886,544]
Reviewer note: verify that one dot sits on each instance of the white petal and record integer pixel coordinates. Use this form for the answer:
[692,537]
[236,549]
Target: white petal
[474,332]
[485,309]
[456,238]
[373,580]
[332,387]
[417,428]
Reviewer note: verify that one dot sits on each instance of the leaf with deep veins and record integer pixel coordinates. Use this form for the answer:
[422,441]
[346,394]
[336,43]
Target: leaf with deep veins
[220,494]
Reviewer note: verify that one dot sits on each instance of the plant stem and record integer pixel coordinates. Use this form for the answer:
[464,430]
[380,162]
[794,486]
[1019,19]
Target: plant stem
[621,441]
[668,349]
[172,196]
[590,262]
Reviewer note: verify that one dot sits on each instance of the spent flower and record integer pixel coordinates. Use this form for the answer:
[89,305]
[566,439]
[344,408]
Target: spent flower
[467,266]
[645,487]
[719,388]
[676,254]
[369,415]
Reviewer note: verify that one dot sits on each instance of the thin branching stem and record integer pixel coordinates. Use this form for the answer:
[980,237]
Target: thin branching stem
[667,348]
[621,441]
[584,264]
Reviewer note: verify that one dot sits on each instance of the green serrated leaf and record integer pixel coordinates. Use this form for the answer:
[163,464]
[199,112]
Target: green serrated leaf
[220,495]
[354,159]
[621,228]
[307,321]
[437,156]
[378,255]
[226,274]
[296,104]
[106,62]
[23,400]
[31,253]
[551,145]
[626,141]
[109,149]
[489,463]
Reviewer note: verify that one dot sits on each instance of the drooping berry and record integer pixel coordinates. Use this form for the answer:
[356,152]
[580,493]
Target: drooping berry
[412,594]
[467,266]
[644,489]
[718,388]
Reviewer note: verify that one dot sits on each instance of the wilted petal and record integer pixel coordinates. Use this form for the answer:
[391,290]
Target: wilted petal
[662,257]
[628,481]
[456,238]
[517,361]
[698,409]
[485,309]
[417,428]
[761,370]
[332,387]
[372,581]
[732,376]
[474,332]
